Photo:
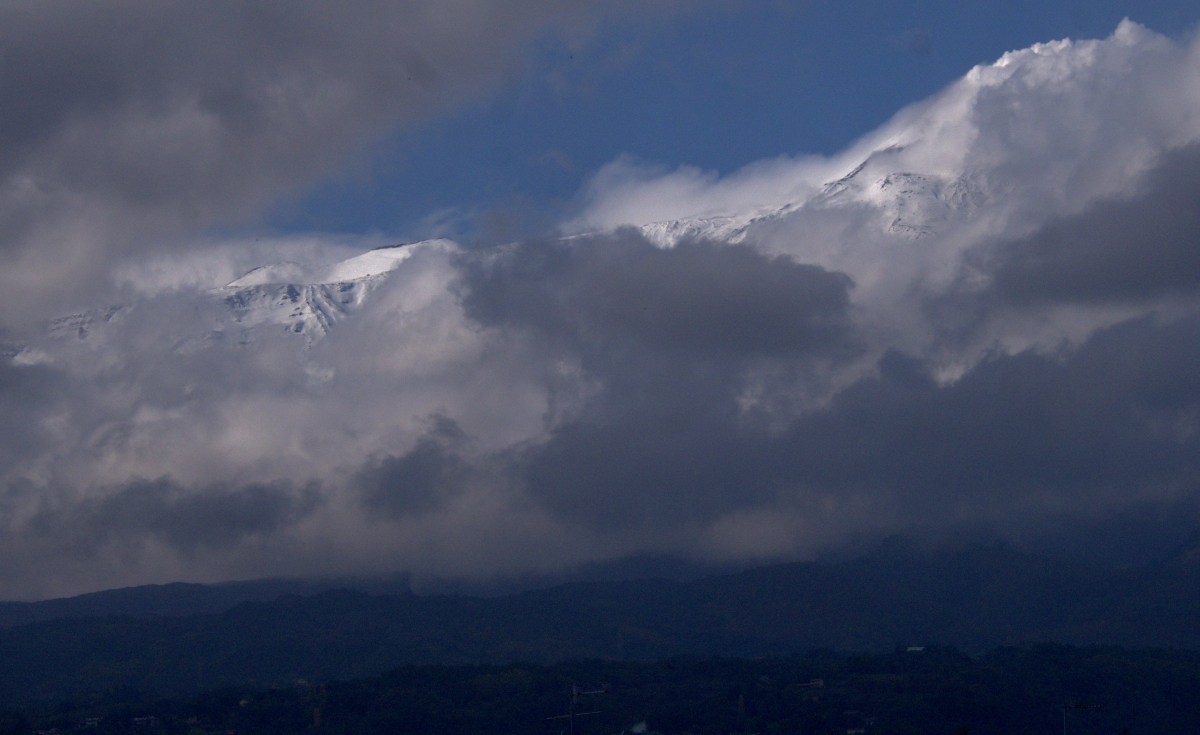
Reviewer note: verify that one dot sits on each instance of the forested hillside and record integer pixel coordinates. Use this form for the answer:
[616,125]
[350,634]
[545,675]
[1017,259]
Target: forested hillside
[928,692]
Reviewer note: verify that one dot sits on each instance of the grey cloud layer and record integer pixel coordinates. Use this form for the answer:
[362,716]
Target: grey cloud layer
[669,441]
[671,337]
[1135,248]
[605,295]
[698,401]
[129,123]
[421,480]
[183,519]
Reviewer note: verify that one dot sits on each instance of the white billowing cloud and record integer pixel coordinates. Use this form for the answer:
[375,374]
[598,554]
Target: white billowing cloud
[848,359]
[1043,132]
[1040,133]
[627,192]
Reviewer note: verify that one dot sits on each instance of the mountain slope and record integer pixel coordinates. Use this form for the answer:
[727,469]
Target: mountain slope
[178,599]
[972,597]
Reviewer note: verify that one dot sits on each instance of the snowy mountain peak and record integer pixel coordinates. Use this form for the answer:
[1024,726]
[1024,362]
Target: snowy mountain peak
[296,298]
[910,204]
[310,302]
[914,205]
[286,272]
[376,262]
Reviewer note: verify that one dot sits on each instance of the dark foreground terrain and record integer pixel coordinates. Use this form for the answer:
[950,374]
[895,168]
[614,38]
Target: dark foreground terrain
[975,598]
[933,691]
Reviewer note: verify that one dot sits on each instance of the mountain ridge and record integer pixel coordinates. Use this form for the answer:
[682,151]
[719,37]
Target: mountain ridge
[974,597]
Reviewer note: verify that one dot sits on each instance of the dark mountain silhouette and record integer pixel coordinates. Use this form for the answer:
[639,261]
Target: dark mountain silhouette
[972,597]
[179,598]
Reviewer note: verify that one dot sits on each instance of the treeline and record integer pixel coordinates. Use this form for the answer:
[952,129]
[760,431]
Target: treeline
[930,691]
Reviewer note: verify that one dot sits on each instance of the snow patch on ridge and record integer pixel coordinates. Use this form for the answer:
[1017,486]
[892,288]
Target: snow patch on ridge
[278,273]
[310,303]
[291,296]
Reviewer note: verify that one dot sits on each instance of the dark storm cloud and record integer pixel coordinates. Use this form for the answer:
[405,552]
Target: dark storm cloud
[1134,249]
[27,396]
[704,300]
[420,480]
[1117,418]
[183,519]
[128,125]
[184,105]
[672,336]
[668,440]
[1018,443]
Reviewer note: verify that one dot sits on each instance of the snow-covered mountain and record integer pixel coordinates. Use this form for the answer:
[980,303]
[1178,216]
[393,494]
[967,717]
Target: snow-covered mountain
[286,297]
[983,160]
[913,205]
[310,303]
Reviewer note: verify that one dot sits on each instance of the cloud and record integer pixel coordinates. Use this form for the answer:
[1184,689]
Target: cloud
[422,479]
[982,318]
[105,537]
[131,125]
[673,437]
[1041,133]
[909,211]
[670,339]
[183,519]
[1135,248]
[29,395]
[1111,422]
[604,294]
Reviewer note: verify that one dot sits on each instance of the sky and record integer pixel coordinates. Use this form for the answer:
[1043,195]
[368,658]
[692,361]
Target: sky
[714,282]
